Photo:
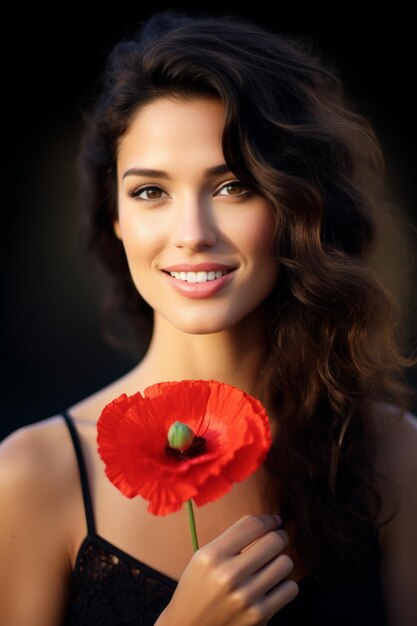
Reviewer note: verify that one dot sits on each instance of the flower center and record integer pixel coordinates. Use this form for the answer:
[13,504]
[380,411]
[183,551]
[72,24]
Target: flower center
[197,448]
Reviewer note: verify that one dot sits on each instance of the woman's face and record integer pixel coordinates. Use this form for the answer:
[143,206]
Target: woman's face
[198,243]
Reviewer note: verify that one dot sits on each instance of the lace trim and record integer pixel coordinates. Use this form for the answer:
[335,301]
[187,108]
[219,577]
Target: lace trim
[111,588]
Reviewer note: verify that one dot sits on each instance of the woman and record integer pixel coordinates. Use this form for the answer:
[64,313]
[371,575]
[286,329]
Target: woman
[233,195]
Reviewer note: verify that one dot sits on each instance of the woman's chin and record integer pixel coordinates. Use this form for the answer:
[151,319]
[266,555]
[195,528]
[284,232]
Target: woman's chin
[202,326]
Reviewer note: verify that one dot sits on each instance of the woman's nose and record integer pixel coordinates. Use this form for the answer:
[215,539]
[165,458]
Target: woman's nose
[194,226]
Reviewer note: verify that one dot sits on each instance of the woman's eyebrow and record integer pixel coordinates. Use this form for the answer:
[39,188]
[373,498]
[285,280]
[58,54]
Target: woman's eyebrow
[211,171]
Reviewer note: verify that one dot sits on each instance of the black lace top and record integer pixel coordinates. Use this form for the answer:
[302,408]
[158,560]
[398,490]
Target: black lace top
[111,588]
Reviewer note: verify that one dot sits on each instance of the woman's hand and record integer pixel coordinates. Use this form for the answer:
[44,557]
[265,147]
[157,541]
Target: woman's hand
[235,580]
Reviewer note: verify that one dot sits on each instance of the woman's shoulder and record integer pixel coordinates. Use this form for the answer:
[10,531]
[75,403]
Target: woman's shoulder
[396,466]
[37,462]
[33,445]
[41,520]
[397,469]
[396,433]
[40,508]
[38,473]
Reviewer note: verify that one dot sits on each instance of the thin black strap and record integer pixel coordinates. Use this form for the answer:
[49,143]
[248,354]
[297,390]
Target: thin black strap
[83,474]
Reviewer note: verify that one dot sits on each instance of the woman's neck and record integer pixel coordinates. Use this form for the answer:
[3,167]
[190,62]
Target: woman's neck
[234,356]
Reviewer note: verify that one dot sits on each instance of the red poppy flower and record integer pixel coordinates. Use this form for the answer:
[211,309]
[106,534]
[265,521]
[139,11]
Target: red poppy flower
[231,439]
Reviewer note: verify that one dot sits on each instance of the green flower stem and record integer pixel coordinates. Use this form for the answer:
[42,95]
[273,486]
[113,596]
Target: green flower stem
[191,521]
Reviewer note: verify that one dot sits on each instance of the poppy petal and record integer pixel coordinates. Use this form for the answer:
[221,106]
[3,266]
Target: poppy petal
[233,431]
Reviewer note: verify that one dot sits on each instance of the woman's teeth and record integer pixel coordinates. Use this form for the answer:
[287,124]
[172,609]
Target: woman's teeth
[197,277]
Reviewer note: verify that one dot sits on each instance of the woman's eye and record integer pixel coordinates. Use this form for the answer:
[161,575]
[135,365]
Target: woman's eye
[151,192]
[237,189]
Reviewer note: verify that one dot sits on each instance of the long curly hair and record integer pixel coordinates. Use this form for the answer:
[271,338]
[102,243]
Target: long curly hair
[290,133]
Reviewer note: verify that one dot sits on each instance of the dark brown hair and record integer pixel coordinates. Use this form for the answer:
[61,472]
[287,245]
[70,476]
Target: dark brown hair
[291,133]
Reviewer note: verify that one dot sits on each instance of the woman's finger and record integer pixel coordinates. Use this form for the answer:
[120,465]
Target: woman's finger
[264,580]
[273,602]
[258,555]
[242,533]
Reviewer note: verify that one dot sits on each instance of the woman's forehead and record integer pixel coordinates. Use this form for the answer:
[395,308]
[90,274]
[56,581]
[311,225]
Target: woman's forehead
[169,134]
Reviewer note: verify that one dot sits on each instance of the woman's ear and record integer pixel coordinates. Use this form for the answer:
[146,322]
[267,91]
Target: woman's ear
[116,228]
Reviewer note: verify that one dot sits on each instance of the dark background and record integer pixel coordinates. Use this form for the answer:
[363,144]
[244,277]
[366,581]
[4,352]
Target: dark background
[53,348]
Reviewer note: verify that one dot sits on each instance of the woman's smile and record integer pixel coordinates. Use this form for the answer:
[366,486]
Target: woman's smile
[200,280]
[199,284]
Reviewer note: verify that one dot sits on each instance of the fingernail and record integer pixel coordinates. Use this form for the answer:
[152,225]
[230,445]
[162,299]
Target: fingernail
[279,519]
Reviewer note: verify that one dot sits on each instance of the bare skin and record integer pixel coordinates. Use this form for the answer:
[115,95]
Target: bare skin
[42,523]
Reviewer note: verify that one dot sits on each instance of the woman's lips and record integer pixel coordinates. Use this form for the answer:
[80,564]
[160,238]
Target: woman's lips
[199,289]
